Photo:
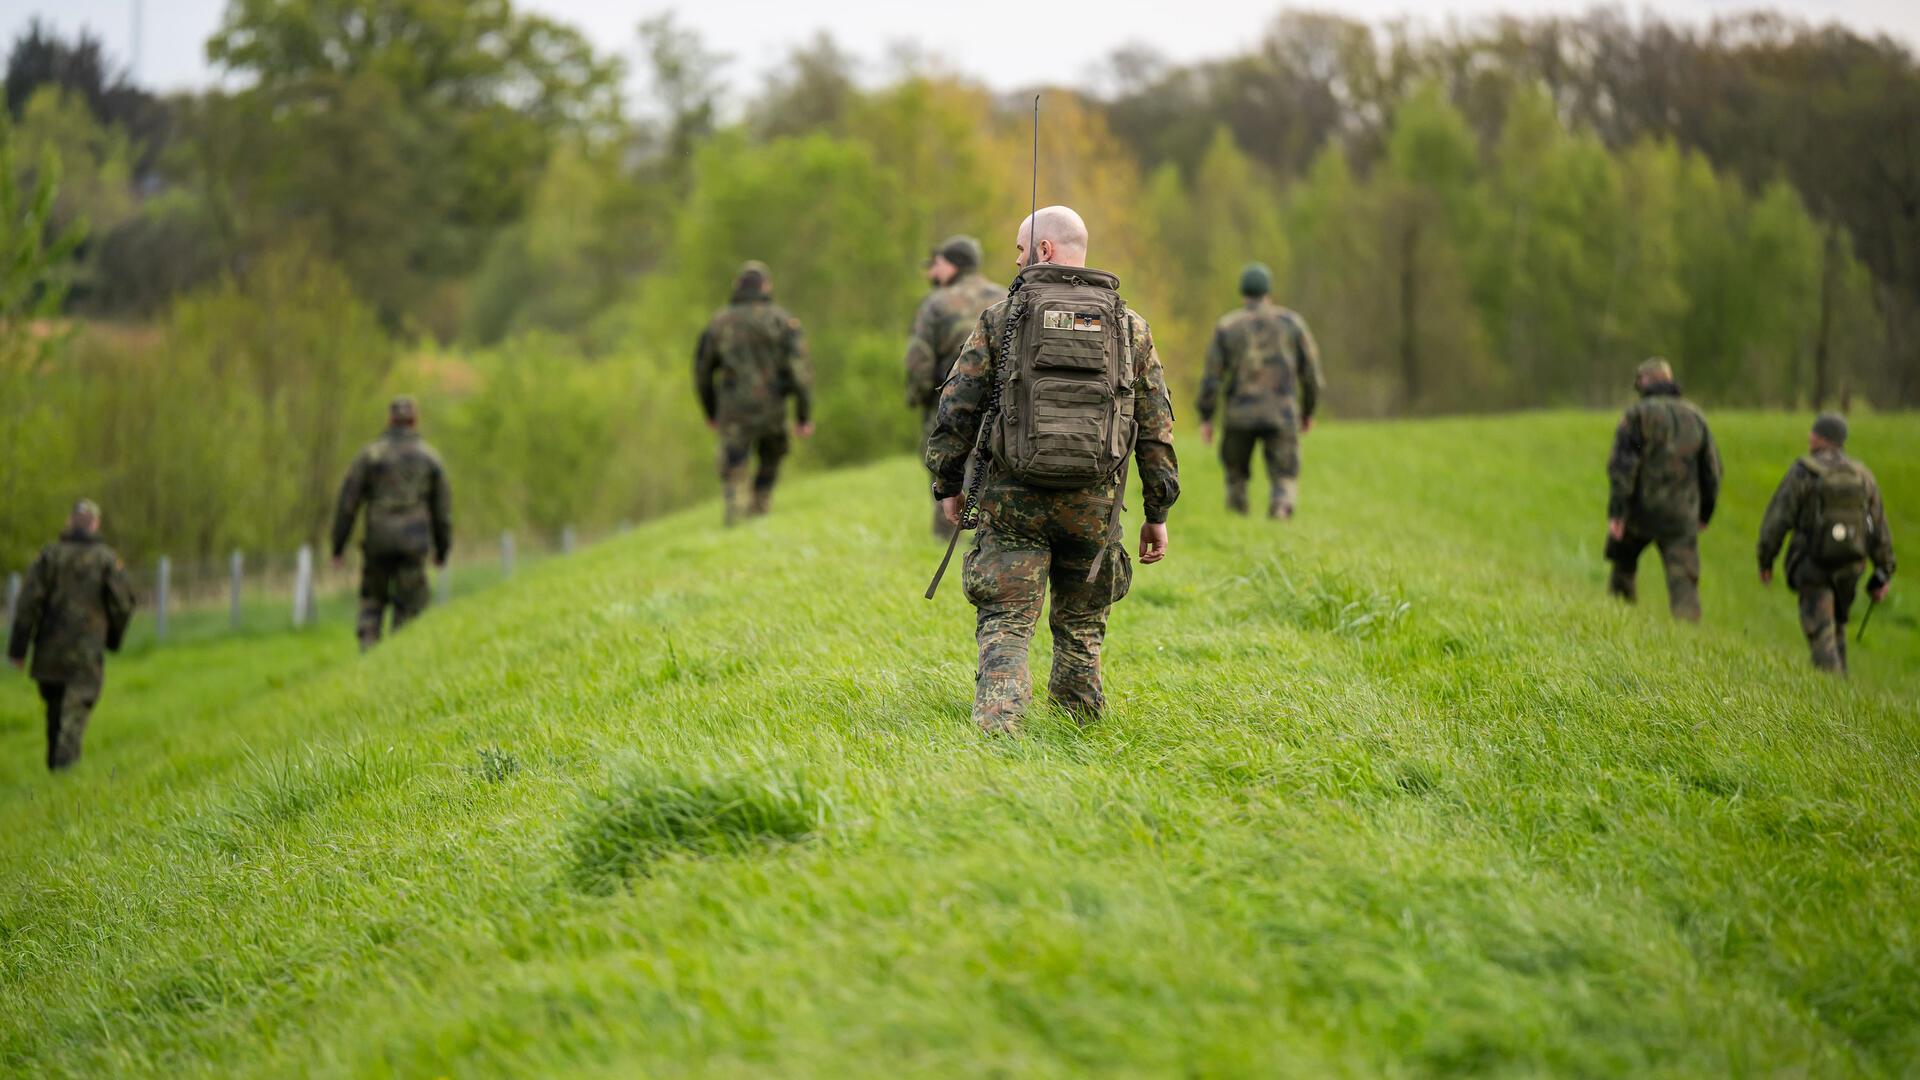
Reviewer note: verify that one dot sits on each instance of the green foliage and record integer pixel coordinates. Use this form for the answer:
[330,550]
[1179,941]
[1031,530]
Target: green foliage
[1375,799]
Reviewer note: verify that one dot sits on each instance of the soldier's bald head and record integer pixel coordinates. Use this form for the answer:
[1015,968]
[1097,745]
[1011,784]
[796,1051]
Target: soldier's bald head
[85,516]
[1058,233]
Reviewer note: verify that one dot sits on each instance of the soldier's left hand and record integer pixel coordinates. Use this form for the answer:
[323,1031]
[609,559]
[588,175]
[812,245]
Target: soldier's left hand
[1878,595]
[1703,526]
[805,430]
[1153,542]
[1306,425]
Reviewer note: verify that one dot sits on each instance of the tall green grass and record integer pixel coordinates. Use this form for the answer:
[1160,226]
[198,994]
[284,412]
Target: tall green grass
[1394,789]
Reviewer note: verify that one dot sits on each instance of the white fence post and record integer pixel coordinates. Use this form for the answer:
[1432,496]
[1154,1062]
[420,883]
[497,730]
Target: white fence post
[13,600]
[236,579]
[506,554]
[567,539]
[160,589]
[303,586]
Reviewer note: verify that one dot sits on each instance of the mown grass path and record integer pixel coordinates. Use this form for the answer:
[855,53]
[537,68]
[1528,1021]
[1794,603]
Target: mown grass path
[1392,790]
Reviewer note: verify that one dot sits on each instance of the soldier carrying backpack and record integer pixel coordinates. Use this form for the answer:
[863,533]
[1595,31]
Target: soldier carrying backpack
[1830,505]
[1058,387]
[1663,478]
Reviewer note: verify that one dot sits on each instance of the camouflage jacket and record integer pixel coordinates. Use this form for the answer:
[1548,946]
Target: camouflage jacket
[74,606]
[1265,359]
[1791,514]
[940,330]
[749,360]
[964,395]
[1664,472]
[400,481]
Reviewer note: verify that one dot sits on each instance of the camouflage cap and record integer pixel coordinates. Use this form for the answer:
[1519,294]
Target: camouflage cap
[1256,280]
[403,408]
[753,273]
[1831,427]
[1653,369]
[964,252]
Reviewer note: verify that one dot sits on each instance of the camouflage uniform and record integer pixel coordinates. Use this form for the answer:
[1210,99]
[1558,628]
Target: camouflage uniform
[1664,479]
[749,360]
[75,604]
[940,330]
[400,481]
[1265,360]
[1030,538]
[1826,592]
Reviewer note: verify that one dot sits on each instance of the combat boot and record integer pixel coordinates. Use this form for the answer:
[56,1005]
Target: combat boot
[1237,496]
[1280,502]
[762,502]
[730,484]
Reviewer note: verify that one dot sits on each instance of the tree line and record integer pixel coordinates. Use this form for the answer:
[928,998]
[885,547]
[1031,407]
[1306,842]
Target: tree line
[470,202]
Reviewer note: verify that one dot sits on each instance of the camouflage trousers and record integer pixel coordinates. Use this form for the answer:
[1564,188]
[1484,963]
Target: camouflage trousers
[396,581]
[1679,554]
[1826,602]
[1030,540]
[1281,450]
[739,446]
[69,707]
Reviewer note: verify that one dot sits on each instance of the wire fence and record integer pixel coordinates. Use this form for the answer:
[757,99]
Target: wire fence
[254,593]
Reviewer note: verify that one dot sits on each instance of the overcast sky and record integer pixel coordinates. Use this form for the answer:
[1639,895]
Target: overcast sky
[986,43]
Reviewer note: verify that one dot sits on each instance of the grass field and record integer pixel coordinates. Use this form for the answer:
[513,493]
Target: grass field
[1394,790]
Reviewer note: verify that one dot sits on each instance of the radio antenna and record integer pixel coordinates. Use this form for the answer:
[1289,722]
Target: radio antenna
[1033,211]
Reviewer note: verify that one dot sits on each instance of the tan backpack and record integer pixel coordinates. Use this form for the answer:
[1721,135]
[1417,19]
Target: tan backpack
[1066,399]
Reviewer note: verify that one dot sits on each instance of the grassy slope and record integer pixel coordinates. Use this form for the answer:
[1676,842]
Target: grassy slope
[1392,790]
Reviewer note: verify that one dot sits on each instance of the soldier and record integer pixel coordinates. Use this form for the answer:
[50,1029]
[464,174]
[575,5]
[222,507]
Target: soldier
[75,605]
[1830,505]
[749,360]
[1264,358]
[1089,393]
[1664,477]
[940,329]
[400,481]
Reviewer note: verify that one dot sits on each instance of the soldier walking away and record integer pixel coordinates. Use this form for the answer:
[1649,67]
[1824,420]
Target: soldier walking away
[750,359]
[1829,505]
[75,605]
[1264,359]
[400,481]
[940,329]
[1061,382]
[1664,479]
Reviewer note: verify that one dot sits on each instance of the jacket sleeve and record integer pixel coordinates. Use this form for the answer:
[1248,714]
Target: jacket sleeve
[1623,467]
[1880,543]
[705,364]
[1153,438]
[1215,377]
[117,598]
[958,415]
[1782,512]
[923,357]
[32,606]
[1309,380]
[440,509]
[353,491]
[799,372]
[1708,465]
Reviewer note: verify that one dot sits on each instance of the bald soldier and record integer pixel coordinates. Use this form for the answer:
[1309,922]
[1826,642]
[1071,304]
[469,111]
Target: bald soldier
[940,328]
[750,359]
[1264,361]
[1829,504]
[1061,386]
[74,606]
[1663,479]
[399,480]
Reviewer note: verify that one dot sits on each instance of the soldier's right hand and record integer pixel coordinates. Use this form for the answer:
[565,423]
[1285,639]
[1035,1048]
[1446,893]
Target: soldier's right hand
[1617,528]
[1153,542]
[1206,432]
[339,562]
[18,664]
[1766,575]
[950,509]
